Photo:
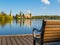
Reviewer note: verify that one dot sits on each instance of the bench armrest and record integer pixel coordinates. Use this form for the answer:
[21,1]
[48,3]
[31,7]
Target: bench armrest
[34,29]
[34,35]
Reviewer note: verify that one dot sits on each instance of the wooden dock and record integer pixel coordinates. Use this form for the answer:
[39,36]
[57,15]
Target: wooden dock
[19,40]
[16,40]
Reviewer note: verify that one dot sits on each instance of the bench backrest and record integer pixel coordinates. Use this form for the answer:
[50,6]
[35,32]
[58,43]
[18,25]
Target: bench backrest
[51,31]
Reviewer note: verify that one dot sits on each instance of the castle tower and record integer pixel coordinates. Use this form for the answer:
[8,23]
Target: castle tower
[10,12]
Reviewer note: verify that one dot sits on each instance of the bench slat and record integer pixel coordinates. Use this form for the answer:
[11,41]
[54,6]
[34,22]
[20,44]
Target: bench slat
[52,29]
[52,26]
[53,22]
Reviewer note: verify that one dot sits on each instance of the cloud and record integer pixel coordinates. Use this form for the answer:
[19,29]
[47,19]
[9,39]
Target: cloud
[58,1]
[46,1]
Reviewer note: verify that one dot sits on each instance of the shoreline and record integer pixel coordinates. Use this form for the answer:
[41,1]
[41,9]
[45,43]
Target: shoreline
[18,35]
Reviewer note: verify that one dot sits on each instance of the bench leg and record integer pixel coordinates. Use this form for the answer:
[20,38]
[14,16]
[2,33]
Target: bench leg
[41,43]
[34,42]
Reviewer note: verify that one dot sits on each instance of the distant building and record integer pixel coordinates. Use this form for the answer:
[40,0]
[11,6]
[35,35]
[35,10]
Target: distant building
[28,16]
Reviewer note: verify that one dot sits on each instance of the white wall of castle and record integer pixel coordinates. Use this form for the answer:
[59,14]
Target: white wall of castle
[28,16]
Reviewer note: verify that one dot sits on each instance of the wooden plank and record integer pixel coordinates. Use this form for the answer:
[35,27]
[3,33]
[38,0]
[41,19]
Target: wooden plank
[28,41]
[52,32]
[4,41]
[50,37]
[22,40]
[9,41]
[55,29]
[31,37]
[53,22]
[18,41]
[31,40]
[15,35]
[13,41]
[0,41]
[52,26]
[51,40]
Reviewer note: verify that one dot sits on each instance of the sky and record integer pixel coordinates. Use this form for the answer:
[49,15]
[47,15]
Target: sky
[36,7]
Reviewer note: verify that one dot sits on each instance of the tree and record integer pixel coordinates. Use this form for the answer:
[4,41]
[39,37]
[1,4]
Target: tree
[30,15]
[20,13]
[10,12]
[16,16]
[3,13]
[23,15]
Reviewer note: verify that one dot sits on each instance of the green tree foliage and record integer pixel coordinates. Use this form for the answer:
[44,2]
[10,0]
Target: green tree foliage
[4,16]
[45,17]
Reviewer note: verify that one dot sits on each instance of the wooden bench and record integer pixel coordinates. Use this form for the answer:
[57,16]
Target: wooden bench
[49,32]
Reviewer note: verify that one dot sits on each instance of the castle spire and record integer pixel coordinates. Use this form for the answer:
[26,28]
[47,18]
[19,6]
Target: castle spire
[10,12]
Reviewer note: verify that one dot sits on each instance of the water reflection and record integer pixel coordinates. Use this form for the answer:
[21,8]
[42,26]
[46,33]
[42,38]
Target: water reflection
[23,22]
[19,26]
[4,22]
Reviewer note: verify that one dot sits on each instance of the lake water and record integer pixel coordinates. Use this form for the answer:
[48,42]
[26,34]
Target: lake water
[23,26]
[20,26]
